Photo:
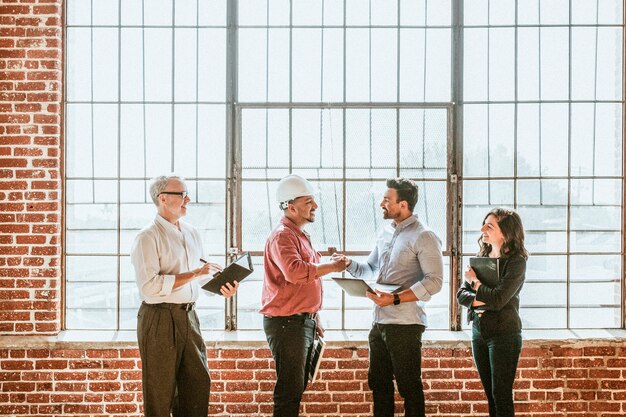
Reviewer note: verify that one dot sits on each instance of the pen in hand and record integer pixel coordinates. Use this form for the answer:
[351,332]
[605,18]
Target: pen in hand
[213,268]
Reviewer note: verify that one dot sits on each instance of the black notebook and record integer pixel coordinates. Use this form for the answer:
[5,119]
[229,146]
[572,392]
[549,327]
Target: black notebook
[316,358]
[487,270]
[236,271]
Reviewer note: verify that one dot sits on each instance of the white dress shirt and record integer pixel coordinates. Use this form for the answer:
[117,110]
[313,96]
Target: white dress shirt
[161,251]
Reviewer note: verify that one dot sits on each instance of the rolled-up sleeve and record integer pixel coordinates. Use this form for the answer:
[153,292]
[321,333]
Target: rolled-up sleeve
[431,263]
[285,254]
[145,260]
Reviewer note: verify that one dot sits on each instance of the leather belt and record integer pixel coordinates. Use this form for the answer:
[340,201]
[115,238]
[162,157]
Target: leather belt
[304,315]
[174,306]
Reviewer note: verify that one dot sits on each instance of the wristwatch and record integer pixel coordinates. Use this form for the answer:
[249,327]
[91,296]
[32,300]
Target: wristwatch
[396,299]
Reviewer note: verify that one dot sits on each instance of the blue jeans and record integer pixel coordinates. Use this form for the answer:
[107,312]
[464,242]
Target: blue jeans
[496,360]
[291,341]
[396,350]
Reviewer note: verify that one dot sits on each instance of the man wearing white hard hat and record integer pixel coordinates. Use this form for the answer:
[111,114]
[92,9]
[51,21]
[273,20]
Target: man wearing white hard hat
[292,292]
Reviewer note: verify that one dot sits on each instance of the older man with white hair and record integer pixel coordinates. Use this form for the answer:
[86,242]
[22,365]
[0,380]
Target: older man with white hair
[167,256]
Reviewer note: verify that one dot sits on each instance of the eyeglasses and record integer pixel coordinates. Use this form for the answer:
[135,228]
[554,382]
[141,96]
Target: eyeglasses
[183,194]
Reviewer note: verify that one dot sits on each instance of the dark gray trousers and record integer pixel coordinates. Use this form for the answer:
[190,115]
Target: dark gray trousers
[175,373]
[291,341]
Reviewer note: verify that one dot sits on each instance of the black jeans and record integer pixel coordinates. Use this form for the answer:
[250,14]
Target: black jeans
[496,360]
[396,349]
[291,341]
[175,373]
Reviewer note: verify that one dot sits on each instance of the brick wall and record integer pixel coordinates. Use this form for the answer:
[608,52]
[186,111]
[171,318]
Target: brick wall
[583,379]
[30,165]
[46,377]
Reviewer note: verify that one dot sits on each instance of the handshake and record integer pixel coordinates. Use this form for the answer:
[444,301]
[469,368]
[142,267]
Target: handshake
[338,260]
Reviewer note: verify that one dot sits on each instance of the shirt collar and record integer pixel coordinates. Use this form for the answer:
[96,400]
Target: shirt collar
[404,223]
[287,222]
[169,226]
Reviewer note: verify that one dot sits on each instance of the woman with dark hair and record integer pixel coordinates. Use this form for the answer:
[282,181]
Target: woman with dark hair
[494,311]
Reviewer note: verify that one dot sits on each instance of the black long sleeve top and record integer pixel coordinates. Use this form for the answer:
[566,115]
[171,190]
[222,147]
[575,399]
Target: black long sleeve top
[501,309]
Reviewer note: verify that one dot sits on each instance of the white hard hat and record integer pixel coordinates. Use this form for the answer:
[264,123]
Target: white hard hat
[291,187]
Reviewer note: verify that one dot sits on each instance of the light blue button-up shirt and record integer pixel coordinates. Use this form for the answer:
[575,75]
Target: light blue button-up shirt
[407,254]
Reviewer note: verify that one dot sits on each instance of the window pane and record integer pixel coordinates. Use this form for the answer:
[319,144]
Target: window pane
[501,64]
[489,139]
[439,12]
[263,130]
[249,297]
[158,144]
[307,13]
[211,140]
[159,13]
[332,85]
[412,64]
[595,289]
[318,141]
[475,64]
[362,202]
[211,65]
[131,12]
[544,207]
[528,12]
[253,12]
[79,13]
[554,138]
[384,64]
[105,64]
[79,67]
[307,64]
[502,12]
[260,213]
[358,71]
[423,143]
[357,13]
[554,58]
[371,139]
[185,64]
[476,12]
[438,65]
[132,55]
[132,140]
[412,12]
[158,64]
[554,12]
[528,59]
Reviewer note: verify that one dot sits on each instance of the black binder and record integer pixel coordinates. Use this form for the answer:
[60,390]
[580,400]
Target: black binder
[236,271]
[487,270]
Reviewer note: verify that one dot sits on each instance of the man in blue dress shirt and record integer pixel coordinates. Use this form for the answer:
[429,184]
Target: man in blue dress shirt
[407,254]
